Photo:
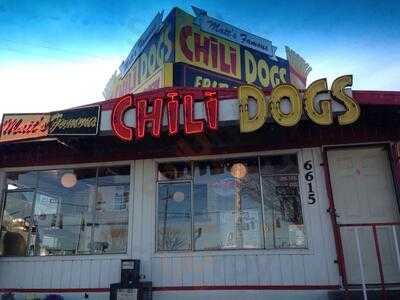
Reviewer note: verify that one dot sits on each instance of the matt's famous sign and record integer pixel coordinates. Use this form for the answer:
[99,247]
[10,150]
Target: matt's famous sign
[24,126]
[286,105]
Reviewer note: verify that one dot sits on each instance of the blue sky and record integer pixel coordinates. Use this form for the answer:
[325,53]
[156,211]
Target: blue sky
[58,54]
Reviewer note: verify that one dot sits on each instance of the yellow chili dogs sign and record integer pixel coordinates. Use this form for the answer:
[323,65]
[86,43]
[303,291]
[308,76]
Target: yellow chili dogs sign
[204,50]
[321,114]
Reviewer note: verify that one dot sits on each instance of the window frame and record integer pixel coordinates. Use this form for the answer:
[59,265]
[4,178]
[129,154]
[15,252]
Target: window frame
[4,191]
[306,220]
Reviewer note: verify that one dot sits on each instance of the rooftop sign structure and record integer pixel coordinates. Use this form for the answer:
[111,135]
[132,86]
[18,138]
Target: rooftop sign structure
[202,51]
[158,86]
[141,44]
[232,33]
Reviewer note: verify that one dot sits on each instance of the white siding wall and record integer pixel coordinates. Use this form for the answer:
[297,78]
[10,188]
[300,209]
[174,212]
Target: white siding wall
[314,266]
[59,273]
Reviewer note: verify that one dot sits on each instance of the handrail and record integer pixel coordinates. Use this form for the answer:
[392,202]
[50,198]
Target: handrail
[374,226]
[364,286]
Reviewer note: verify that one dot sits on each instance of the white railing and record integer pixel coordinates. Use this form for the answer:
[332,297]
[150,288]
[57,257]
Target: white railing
[355,227]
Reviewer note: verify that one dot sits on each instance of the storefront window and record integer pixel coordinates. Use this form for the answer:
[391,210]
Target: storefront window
[66,212]
[282,205]
[227,205]
[62,212]
[16,222]
[174,216]
[111,210]
[241,203]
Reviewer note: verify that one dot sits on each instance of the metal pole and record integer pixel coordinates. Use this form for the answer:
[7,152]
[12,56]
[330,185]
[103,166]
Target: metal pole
[364,287]
[378,254]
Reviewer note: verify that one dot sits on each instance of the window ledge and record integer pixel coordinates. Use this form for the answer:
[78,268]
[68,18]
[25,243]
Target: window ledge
[234,252]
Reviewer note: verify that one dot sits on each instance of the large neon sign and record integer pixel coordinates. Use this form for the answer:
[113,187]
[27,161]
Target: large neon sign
[301,104]
[151,111]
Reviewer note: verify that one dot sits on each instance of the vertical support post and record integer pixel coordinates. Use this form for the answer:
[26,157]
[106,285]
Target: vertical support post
[364,287]
[335,225]
[192,212]
[378,255]
[264,220]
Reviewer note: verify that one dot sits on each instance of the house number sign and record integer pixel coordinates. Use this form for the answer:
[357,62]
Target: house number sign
[309,177]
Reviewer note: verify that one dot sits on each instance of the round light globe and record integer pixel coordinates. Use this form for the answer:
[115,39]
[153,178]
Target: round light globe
[238,170]
[178,196]
[68,180]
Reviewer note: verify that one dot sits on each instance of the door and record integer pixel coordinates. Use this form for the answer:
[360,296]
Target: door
[363,192]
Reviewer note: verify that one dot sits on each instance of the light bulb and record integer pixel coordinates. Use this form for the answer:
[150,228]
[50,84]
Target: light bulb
[178,196]
[68,180]
[238,170]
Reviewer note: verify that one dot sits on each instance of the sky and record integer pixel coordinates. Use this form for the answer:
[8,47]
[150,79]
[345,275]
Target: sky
[60,54]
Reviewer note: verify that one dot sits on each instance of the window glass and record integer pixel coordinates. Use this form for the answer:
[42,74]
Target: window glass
[66,212]
[111,219]
[21,180]
[227,205]
[240,203]
[282,204]
[114,175]
[16,223]
[279,164]
[175,170]
[174,216]
[63,212]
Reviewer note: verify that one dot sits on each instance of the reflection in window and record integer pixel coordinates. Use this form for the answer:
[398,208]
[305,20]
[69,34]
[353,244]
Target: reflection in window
[114,175]
[62,212]
[241,203]
[227,205]
[21,180]
[282,204]
[111,210]
[67,212]
[174,171]
[174,216]
[16,223]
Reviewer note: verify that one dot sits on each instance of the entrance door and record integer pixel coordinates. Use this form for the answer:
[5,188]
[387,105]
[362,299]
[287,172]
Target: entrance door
[363,192]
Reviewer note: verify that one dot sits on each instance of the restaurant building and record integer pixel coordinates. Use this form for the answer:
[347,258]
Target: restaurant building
[214,164]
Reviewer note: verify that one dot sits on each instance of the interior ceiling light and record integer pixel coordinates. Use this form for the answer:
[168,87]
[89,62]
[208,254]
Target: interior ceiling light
[238,170]
[68,180]
[178,196]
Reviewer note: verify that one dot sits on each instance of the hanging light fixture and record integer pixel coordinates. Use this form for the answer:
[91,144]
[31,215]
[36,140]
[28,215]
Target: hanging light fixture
[68,180]
[238,170]
[178,196]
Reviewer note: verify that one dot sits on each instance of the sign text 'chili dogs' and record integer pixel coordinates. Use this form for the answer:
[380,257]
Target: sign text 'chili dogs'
[287,105]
